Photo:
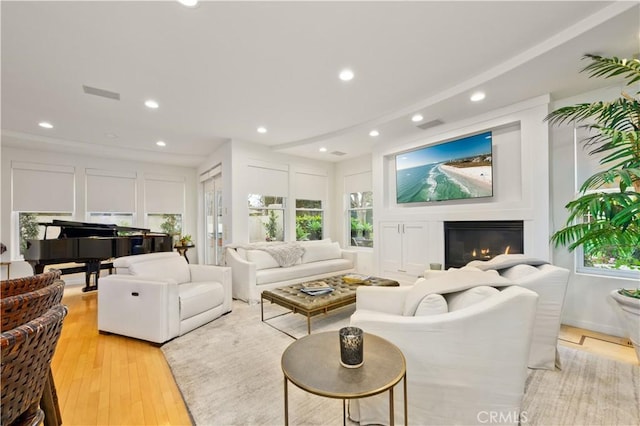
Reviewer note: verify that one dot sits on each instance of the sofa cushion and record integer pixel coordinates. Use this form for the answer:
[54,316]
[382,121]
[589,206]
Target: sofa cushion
[318,252]
[199,297]
[268,276]
[466,298]
[518,272]
[262,259]
[175,267]
[432,304]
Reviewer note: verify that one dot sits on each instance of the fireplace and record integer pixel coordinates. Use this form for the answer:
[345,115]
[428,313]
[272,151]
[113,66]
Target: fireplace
[480,240]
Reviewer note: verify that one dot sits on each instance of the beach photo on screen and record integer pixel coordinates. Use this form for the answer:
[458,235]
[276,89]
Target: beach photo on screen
[457,169]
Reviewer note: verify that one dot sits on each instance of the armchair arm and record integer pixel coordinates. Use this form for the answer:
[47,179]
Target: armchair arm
[138,306]
[243,275]
[351,255]
[221,274]
[389,300]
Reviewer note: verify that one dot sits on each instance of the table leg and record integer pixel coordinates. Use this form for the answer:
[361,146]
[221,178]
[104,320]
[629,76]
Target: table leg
[404,380]
[308,324]
[286,403]
[344,412]
[391,413]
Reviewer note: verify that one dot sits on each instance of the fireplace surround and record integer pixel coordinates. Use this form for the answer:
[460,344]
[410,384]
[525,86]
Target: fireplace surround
[465,241]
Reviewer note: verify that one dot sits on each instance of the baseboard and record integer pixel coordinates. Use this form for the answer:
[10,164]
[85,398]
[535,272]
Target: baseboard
[600,328]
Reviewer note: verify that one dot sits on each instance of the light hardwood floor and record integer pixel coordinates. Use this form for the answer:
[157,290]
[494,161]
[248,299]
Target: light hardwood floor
[114,380]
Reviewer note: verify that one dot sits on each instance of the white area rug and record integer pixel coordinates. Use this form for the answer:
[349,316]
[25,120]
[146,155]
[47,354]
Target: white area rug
[229,374]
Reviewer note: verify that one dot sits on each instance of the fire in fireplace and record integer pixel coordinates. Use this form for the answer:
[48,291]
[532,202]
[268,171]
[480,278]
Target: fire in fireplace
[465,241]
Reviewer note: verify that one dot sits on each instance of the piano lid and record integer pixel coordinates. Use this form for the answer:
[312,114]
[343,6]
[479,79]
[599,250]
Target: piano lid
[72,229]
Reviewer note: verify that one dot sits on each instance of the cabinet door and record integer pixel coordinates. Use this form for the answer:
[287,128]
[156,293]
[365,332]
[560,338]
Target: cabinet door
[390,247]
[414,247]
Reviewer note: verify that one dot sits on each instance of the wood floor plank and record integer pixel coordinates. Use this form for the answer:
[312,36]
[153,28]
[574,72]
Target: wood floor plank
[104,379]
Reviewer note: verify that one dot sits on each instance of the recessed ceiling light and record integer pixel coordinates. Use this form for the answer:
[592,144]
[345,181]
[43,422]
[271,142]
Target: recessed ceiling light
[189,3]
[478,96]
[45,124]
[323,149]
[161,143]
[417,117]
[111,135]
[150,103]
[374,133]
[346,75]
[262,129]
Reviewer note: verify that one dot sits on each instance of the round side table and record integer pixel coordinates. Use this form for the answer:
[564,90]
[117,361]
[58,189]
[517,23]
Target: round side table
[312,363]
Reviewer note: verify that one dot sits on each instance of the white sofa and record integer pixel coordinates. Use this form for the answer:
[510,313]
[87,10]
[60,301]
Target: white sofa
[159,296]
[550,283]
[255,270]
[466,351]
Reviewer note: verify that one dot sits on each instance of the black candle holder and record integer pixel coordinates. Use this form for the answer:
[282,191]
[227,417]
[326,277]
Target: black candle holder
[351,347]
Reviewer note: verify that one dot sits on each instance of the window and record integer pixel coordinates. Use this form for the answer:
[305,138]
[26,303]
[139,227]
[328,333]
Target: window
[266,218]
[120,219]
[309,220]
[614,261]
[608,261]
[168,223]
[361,218]
[30,229]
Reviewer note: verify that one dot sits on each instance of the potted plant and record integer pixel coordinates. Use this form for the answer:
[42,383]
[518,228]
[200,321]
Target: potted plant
[613,216]
[185,240]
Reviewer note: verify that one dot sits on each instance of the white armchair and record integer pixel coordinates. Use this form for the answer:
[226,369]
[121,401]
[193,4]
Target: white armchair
[463,365]
[159,296]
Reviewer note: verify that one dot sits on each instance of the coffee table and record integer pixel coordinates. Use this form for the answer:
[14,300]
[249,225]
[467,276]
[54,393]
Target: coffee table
[312,363]
[344,294]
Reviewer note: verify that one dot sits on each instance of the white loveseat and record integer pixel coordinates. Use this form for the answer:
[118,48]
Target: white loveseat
[255,270]
[159,296]
[466,350]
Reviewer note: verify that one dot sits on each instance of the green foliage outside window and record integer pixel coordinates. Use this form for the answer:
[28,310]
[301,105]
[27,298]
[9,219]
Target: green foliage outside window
[171,224]
[29,229]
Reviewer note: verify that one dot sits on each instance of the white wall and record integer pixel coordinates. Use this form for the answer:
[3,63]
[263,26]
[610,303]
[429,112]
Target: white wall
[520,176]
[346,168]
[587,303]
[80,163]
[237,157]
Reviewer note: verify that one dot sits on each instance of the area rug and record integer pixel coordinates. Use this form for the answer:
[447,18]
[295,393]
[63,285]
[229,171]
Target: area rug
[229,374]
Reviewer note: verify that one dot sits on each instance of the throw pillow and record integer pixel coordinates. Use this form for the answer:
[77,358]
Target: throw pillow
[463,299]
[432,304]
[262,259]
[317,252]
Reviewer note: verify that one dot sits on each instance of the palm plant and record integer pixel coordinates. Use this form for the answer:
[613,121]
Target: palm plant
[614,128]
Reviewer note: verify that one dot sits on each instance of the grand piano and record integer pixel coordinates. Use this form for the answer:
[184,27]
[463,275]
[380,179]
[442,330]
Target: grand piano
[93,244]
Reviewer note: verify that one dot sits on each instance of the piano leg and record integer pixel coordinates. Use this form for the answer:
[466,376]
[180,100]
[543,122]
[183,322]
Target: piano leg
[92,268]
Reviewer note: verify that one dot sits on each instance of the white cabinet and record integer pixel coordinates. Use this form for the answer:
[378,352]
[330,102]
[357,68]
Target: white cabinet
[403,248]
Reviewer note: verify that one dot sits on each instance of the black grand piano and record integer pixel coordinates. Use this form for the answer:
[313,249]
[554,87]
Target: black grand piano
[92,244]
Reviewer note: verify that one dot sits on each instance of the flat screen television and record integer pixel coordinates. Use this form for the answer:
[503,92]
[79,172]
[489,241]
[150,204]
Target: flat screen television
[457,169]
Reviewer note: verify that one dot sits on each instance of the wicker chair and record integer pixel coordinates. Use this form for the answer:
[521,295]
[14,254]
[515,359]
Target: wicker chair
[26,356]
[22,308]
[16,286]
[23,300]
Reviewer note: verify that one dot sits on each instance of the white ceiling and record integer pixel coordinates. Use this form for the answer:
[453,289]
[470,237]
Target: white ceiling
[222,69]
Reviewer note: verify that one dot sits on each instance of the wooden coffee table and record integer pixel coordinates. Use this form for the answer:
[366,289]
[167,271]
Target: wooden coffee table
[343,294]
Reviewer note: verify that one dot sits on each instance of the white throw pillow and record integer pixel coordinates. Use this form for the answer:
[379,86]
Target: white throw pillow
[515,273]
[464,299]
[317,252]
[432,304]
[262,259]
